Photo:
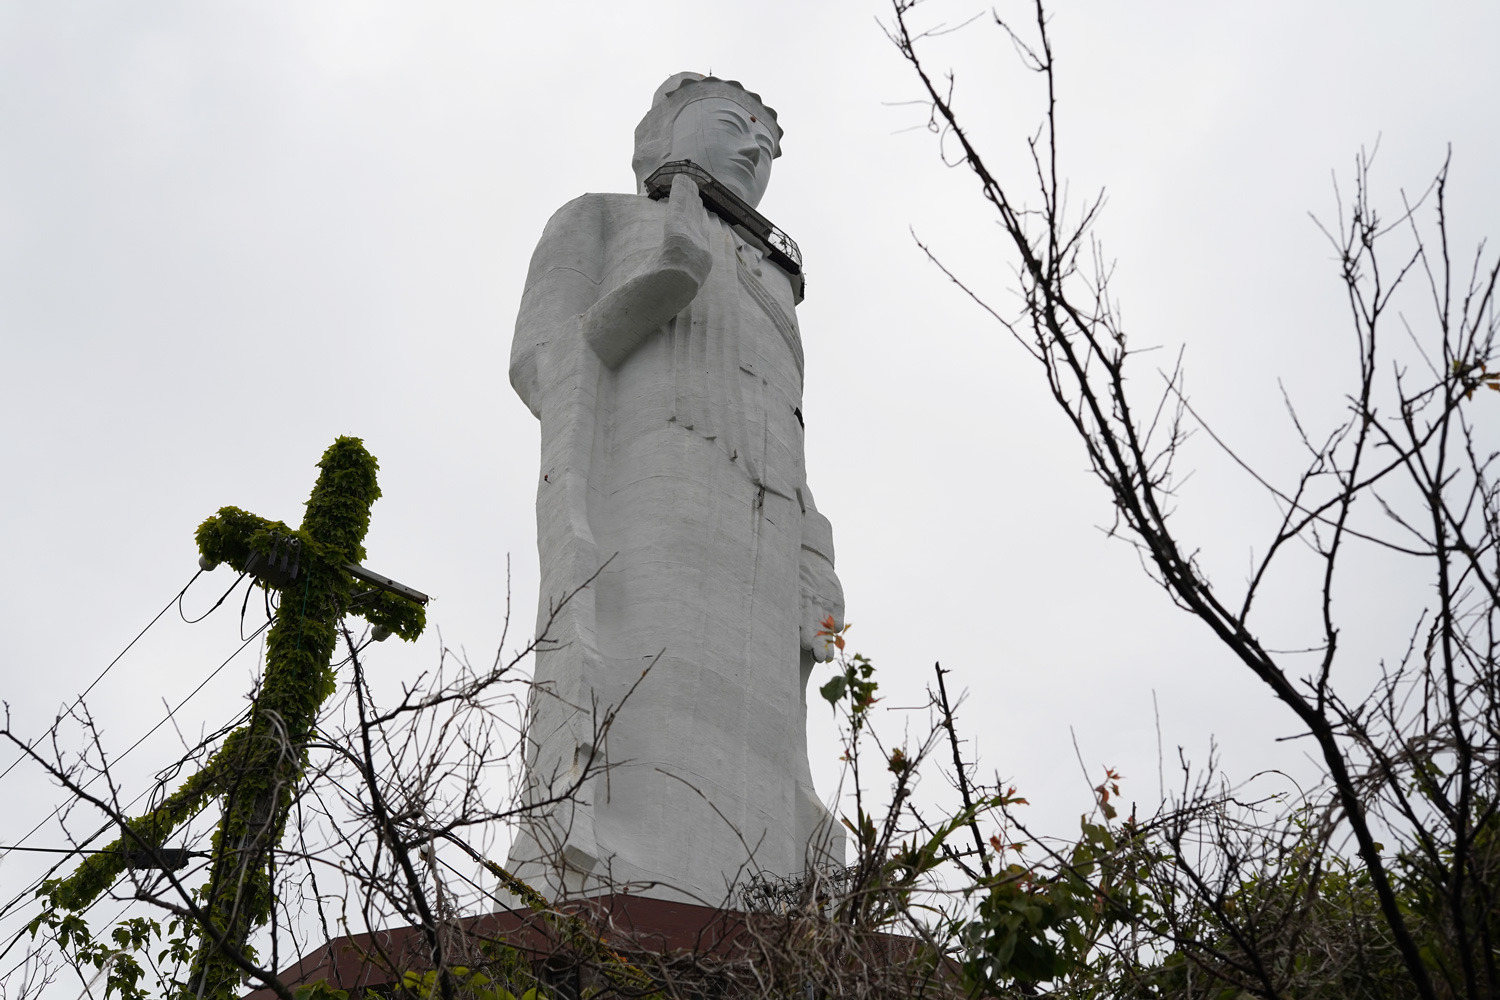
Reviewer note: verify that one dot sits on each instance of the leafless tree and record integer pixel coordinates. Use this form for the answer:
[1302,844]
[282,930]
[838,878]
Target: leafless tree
[394,799]
[1411,765]
[1379,882]
[389,850]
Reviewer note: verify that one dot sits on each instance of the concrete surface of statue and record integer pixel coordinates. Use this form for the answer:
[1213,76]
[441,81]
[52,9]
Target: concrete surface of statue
[660,350]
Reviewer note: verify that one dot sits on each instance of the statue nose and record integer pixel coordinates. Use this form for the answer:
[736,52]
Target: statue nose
[752,152]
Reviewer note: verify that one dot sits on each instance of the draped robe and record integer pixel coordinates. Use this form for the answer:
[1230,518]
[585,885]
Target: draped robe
[680,469]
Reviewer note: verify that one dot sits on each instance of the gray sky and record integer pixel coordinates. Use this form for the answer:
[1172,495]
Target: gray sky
[230,232]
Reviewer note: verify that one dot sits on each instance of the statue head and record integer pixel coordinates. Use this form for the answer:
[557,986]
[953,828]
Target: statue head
[717,124]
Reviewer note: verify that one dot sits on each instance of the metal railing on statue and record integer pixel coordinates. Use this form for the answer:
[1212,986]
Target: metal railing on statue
[754,227]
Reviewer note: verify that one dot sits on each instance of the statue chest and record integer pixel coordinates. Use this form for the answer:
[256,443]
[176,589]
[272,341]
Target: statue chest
[726,370]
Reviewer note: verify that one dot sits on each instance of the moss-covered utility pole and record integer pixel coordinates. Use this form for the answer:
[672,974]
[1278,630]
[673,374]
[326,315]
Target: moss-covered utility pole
[316,569]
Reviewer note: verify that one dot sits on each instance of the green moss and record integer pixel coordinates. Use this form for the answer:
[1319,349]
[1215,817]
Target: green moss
[256,772]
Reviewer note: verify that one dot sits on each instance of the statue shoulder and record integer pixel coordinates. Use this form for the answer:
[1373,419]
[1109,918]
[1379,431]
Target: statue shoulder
[601,212]
[586,233]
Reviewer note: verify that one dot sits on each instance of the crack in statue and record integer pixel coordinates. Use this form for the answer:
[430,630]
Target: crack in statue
[660,351]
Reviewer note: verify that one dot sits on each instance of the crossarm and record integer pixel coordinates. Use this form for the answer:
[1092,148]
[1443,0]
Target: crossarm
[404,617]
[227,536]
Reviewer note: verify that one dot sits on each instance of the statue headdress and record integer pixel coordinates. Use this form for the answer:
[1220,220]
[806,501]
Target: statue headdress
[653,136]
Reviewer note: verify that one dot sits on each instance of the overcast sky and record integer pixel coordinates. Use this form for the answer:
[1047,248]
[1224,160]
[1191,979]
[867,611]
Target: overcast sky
[230,232]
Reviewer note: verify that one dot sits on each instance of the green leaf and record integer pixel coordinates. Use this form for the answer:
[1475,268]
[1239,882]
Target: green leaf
[834,690]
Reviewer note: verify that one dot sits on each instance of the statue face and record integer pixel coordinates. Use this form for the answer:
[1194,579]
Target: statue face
[722,137]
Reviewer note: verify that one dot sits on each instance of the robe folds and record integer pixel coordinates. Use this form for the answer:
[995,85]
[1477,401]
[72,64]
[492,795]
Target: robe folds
[680,470]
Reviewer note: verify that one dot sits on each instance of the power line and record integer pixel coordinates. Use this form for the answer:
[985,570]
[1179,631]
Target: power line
[77,701]
[129,854]
[171,712]
[193,621]
[87,840]
[24,930]
[7,908]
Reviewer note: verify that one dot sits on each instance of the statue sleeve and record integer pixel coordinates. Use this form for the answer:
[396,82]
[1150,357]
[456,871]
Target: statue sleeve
[562,283]
[822,594]
[557,375]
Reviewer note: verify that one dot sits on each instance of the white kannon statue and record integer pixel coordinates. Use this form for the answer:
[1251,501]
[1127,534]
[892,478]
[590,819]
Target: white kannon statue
[659,348]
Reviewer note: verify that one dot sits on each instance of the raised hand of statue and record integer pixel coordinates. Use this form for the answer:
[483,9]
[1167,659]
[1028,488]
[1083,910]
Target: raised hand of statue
[684,242]
[617,324]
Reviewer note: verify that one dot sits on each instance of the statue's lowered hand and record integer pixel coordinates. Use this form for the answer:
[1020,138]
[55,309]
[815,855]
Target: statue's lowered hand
[685,234]
[822,605]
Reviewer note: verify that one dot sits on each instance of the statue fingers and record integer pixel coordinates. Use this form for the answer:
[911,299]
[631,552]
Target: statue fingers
[686,216]
[684,192]
[821,625]
[821,647]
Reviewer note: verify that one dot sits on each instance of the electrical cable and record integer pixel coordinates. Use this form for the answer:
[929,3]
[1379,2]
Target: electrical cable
[79,850]
[9,906]
[98,899]
[221,600]
[4,911]
[82,848]
[96,680]
[24,930]
[245,604]
[173,711]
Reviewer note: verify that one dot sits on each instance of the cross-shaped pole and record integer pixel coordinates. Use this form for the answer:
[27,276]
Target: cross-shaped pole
[316,569]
